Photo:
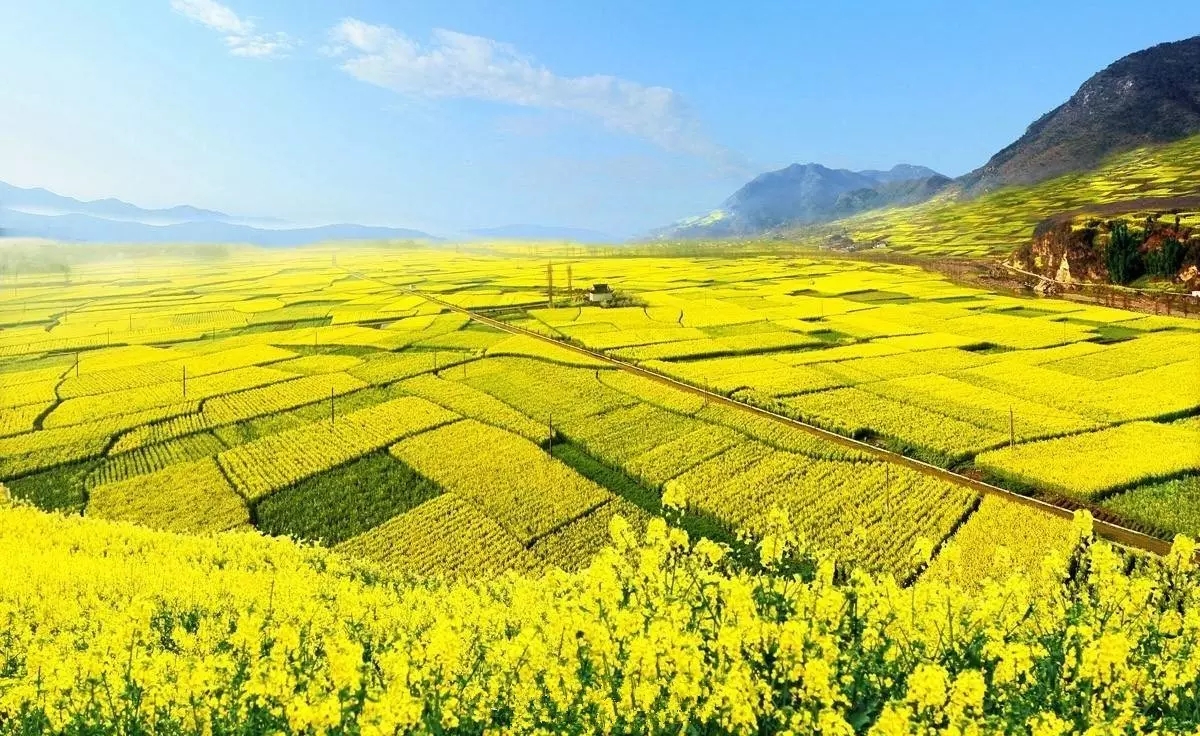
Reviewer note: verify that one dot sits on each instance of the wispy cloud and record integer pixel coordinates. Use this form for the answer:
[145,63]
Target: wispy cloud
[457,65]
[241,35]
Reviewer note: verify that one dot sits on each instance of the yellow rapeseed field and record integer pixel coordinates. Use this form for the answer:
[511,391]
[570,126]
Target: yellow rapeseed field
[115,628]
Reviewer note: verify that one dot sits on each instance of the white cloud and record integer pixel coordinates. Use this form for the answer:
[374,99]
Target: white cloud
[457,65]
[241,35]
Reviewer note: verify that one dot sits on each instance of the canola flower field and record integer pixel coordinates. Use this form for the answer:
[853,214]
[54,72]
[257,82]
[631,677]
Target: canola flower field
[203,396]
[423,461]
[114,628]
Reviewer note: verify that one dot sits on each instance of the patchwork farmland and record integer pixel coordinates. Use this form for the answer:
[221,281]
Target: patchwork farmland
[438,432]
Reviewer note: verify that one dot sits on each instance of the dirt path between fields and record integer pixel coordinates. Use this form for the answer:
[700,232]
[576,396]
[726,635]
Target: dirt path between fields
[1108,530]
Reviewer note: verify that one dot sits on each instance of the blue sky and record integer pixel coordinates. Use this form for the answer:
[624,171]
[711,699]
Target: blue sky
[616,116]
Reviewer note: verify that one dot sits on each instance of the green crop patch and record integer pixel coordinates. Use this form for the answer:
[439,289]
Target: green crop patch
[58,489]
[346,501]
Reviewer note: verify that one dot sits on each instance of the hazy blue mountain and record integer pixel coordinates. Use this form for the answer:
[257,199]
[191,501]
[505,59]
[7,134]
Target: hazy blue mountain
[542,232]
[803,194]
[798,194]
[76,227]
[44,202]
[890,194]
[900,173]
[41,213]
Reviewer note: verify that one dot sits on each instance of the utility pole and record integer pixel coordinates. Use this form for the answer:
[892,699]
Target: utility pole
[77,364]
[570,283]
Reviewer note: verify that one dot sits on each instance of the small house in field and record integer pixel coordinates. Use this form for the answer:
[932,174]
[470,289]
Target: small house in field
[600,294]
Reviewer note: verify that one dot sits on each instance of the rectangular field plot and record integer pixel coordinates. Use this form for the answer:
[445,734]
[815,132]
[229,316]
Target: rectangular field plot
[15,420]
[167,368]
[1168,507]
[1094,463]
[622,434]
[714,346]
[29,452]
[853,411]
[664,461]
[653,392]
[511,479]
[980,406]
[1164,391]
[187,497]
[341,503]
[318,363]
[25,394]
[760,373]
[382,368]
[529,347]
[543,391]
[118,467]
[447,536]
[1131,356]
[1000,539]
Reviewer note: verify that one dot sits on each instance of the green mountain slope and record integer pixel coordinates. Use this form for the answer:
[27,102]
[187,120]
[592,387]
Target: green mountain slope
[1154,177]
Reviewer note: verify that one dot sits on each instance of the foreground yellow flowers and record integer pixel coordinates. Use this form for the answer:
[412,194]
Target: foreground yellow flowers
[109,628]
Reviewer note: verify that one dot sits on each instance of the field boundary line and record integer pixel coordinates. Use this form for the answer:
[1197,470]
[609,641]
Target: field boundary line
[1113,532]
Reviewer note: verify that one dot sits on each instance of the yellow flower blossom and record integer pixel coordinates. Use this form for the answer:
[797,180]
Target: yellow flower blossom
[928,686]
[674,497]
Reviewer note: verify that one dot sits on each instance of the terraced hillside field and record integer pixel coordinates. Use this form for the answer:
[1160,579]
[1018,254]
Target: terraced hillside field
[996,224]
[330,400]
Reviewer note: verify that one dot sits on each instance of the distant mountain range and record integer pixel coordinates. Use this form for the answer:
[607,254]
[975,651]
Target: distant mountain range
[1151,96]
[541,232]
[44,214]
[804,194]
[44,202]
[38,212]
